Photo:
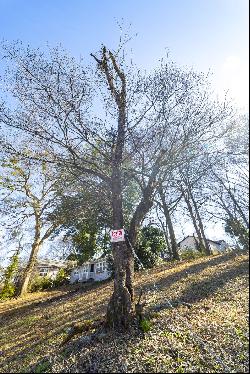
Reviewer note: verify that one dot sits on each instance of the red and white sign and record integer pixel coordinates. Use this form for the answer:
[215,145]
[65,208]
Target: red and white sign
[117,236]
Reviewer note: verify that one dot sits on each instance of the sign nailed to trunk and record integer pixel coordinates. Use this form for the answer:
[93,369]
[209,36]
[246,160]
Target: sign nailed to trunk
[117,236]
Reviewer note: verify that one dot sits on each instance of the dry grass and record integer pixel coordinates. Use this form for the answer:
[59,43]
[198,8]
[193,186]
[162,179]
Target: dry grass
[197,312]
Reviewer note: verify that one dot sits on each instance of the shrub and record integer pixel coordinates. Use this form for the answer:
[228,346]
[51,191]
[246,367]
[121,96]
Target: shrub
[8,291]
[61,278]
[189,254]
[40,283]
[235,228]
[145,325]
[149,247]
[9,288]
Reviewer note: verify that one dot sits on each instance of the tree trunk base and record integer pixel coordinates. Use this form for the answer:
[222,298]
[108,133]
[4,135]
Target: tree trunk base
[119,312]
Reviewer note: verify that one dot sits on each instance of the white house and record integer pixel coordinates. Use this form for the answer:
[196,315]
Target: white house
[189,242]
[49,268]
[45,268]
[94,269]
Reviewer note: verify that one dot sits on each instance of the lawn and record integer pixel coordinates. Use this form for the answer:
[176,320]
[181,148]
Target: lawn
[196,321]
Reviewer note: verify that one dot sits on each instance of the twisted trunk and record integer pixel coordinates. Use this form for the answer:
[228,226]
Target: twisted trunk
[120,305]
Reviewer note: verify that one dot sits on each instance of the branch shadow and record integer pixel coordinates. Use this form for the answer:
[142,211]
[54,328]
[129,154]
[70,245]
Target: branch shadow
[203,289]
[206,287]
[29,308]
[168,280]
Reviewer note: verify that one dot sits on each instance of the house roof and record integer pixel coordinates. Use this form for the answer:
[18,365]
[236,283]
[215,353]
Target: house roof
[51,263]
[93,261]
[209,240]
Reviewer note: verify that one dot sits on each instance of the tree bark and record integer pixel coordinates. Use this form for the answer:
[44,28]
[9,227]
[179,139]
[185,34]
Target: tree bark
[190,209]
[205,241]
[24,284]
[174,248]
[120,305]
[142,209]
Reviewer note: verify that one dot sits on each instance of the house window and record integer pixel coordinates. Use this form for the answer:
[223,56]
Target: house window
[92,268]
[43,272]
[100,267]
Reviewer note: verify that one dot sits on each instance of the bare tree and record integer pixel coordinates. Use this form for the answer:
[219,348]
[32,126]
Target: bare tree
[147,127]
[28,195]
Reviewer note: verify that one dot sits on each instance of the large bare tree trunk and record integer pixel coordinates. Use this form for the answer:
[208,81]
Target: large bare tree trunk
[120,305]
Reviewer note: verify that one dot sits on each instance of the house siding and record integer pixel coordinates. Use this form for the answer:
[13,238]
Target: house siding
[83,273]
[189,243]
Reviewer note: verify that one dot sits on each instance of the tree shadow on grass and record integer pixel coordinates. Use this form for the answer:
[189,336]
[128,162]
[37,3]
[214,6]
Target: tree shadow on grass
[168,280]
[204,288]
[41,304]
[36,342]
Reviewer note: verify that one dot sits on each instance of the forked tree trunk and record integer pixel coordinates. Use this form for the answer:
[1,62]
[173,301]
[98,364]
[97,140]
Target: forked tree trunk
[121,304]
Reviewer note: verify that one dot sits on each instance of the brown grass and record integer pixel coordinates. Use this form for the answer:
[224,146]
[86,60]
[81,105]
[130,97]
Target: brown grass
[197,313]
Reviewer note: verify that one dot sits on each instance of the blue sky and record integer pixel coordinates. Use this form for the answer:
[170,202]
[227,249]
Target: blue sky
[206,34]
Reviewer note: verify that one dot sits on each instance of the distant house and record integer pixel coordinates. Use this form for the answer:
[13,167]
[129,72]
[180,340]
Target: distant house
[189,242]
[49,268]
[91,270]
[43,268]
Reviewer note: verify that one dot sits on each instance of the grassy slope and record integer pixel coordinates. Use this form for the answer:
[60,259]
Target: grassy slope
[198,314]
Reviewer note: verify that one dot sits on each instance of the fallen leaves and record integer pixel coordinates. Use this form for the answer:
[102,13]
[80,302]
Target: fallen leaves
[198,312]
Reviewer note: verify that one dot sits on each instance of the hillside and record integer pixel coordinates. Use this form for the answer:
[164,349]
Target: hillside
[197,315]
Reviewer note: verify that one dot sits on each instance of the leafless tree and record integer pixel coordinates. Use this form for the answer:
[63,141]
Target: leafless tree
[27,196]
[145,128]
